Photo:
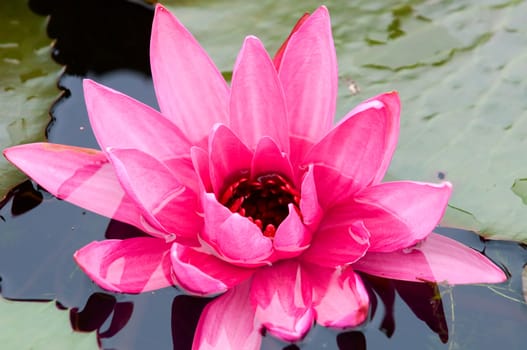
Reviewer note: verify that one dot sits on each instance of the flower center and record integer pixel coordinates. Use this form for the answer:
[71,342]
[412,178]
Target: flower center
[263,200]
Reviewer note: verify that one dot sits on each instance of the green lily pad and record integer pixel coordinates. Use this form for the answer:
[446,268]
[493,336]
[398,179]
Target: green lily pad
[39,325]
[29,82]
[459,66]
[519,188]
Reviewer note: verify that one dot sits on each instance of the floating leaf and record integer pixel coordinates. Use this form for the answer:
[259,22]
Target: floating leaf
[29,82]
[39,325]
[520,189]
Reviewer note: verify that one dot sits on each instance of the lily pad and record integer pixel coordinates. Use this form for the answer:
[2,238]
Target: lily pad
[39,325]
[519,188]
[29,82]
[460,70]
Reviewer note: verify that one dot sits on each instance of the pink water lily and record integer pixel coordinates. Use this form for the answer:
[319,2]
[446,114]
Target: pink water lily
[249,190]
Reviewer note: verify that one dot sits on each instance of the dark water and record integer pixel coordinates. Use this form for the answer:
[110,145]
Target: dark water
[108,42]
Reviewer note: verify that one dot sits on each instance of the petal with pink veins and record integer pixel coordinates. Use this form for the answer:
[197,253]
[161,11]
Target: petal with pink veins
[309,205]
[339,296]
[229,158]
[277,59]
[234,237]
[119,121]
[204,274]
[133,265]
[81,176]
[228,322]
[166,203]
[308,72]
[356,146]
[332,186]
[190,90]
[200,161]
[435,259]
[393,109]
[292,236]
[397,214]
[283,299]
[268,159]
[336,245]
[257,105]
[299,147]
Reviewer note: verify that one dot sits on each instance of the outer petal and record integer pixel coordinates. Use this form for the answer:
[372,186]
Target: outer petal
[277,59]
[308,72]
[119,121]
[340,298]
[190,90]
[257,106]
[336,245]
[202,273]
[282,297]
[356,146]
[393,106]
[166,203]
[398,214]
[234,237]
[229,158]
[132,265]
[228,322]
[436,259]
[81,176]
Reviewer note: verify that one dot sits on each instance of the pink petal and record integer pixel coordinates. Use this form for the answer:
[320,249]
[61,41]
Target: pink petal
[340,298]
[81,176]
[309,204]
[257,106]
[356,146]
[166,203]
[202,273]
[132,265]
[119,121]
[190,90]
[228,322]
[393,105]
[268,159]
[292,236]
[200,161]
[436,259]
[230,159]
[234,237]
[398,214]
[336,245]
[282,296]
[308,72]
[277,60]
[299,147]
[332,186]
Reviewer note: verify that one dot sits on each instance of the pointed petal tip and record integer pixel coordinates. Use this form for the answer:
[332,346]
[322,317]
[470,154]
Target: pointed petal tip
[160,10]
[322,10]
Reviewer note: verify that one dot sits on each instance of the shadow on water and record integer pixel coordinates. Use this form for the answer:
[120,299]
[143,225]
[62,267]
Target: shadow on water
[108,42]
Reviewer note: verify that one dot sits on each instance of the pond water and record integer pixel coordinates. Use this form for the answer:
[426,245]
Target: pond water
[109,43]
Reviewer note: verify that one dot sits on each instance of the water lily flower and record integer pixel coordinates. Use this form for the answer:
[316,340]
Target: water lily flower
[248,191]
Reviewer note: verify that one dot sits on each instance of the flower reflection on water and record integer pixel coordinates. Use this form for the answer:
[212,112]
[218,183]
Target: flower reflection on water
[182,180]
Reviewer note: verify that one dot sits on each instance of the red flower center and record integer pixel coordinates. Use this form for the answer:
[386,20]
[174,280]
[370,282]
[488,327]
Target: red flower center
[263,200]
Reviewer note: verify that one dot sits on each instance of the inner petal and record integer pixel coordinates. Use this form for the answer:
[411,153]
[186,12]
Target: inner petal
[263,200]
